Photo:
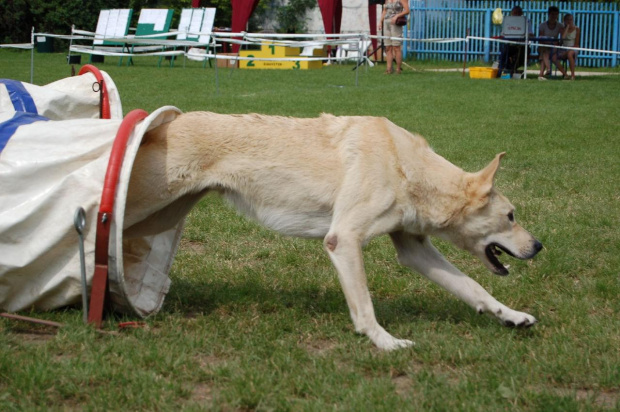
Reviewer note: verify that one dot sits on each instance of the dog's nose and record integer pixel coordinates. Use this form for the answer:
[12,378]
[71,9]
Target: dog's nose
[537,246]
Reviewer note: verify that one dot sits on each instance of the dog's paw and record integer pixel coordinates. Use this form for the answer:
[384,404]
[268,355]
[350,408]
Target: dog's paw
[387,342]
[516,319]
[400,343]
[394,344]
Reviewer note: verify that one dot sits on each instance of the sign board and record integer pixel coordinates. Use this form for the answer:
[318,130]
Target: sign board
[112,24]
[154,21]
[514,26]
[195,21]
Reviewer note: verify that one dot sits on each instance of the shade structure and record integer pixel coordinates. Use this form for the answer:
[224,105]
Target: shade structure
[241,12]
[331,11]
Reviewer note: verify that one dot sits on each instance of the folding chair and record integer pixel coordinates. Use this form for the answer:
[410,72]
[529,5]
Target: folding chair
[355,49]
[194,26]
[152,21]
[113,23]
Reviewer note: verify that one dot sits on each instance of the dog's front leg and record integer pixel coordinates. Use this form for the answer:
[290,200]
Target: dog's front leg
[418,253]
[345,251]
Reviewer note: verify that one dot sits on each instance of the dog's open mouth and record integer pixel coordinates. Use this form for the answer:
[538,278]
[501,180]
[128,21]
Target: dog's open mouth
[492,251]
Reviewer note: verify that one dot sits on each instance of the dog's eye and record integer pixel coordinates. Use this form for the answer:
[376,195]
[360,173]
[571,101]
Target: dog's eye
[511,217]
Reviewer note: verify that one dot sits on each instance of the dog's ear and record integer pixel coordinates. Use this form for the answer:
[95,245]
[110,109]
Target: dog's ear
[487,175]
[481,183]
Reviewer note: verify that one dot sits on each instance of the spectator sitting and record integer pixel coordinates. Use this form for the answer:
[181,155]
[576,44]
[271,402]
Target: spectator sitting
[513,56]
[551,29]
[571,37]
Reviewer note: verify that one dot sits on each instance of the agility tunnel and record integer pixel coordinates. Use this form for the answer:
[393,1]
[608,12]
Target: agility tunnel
[65,146]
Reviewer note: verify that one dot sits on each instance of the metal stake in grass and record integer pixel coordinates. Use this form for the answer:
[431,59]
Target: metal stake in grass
[79,220]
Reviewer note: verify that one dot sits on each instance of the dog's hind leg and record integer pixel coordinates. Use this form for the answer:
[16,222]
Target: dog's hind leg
[345,252]
[418,253]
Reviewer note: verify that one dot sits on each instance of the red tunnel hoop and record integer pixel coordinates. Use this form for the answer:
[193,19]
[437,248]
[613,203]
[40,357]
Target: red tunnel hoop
[104,218]
[105,101]
[116,158]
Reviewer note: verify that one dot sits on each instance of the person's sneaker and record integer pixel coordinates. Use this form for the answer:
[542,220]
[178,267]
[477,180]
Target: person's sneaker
[541,78]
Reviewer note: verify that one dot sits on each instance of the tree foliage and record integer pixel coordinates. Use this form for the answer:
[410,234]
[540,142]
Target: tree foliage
[18,17]
[223,16]
[291,15]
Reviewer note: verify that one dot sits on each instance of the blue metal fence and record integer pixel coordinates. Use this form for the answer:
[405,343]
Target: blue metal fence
[444,19]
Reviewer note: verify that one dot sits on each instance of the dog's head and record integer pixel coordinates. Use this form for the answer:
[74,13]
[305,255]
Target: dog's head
[486,225]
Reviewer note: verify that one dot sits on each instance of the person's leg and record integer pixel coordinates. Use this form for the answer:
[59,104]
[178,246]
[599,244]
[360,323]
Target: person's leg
[544,61]
[547,60]
[388,32]
[572,57]
[398,55]
[503,56]
[557,60]
[396,50]
[389,58]
[520,55]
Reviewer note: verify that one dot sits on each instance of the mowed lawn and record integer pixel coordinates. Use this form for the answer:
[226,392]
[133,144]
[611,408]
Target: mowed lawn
[257,321]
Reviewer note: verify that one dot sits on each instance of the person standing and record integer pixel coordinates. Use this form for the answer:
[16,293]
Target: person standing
[391,11]
[550,29]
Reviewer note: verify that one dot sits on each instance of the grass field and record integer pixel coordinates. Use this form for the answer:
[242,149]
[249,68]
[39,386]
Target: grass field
[255,321]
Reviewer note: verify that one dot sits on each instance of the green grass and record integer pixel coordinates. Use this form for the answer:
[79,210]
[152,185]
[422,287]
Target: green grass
[255,321]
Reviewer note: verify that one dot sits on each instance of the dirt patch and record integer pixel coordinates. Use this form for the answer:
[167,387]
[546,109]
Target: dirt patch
[192,246]
[202,393]
[319,347]
[402,385]
[602,399]
[209,361]
[35,337]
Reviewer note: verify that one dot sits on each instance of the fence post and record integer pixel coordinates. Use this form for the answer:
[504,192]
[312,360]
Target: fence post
[614,40]
[466,44]
[406,32]
[487,34]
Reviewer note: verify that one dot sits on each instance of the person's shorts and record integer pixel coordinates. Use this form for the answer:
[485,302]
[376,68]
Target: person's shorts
[545,49]
[563,54]
[392,30]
